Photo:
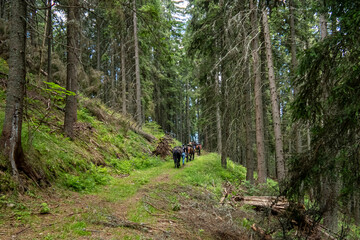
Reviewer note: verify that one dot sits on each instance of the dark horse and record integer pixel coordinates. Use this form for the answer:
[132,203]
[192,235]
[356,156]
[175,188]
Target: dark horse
[198,148]
[177,151]
[190,153]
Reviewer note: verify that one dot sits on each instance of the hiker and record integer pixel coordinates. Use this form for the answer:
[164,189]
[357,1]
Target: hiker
[183,155]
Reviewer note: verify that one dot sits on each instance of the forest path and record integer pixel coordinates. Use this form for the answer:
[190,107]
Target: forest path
[150,203]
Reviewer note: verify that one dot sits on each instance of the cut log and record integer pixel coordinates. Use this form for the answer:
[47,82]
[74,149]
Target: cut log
[275,203]
[147,136]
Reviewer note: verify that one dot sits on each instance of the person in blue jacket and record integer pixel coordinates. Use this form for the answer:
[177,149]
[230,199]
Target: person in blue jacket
[183,154]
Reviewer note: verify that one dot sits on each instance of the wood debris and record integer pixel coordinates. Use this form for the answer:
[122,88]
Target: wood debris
[164,148]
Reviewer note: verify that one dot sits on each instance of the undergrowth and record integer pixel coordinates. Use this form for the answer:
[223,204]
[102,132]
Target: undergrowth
[208,173]
[103,145]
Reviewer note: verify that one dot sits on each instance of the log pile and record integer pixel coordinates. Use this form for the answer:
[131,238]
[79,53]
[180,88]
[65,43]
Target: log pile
[164,148]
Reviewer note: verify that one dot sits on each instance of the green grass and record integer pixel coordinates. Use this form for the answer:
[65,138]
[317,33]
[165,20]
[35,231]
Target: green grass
[4,67]
[207,172]
[139,213]
[122,188]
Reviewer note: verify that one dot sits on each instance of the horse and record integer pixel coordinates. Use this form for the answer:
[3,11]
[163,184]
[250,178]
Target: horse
[198,148]
[190,153]
[177,151]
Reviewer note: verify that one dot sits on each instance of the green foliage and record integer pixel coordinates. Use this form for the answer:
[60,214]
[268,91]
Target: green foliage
[209,173]
[4,67]
[246,223]
[87,181]
[139,214]
[44,208]
[79,228]
[154,129]
[84,116]
[58,92]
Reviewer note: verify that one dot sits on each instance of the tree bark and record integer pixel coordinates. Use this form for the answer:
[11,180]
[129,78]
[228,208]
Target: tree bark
[49,38]
[98,42]
[323,26]
[188,133]
[280,165]
[2,8]
[248,130]
[123,77]
[294,63]
[225,121]
[330,184]
[137,69]
[32,23]
[72,66]
[113,76]
[261,163]
[10,141]
[218,115]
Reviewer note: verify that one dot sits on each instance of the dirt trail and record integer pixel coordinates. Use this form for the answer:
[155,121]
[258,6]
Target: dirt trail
[158,209]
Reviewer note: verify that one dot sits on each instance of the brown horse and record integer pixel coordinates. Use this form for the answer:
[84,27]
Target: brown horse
[190,153]
[198,148]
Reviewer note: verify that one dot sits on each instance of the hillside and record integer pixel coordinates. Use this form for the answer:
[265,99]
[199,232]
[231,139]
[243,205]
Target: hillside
[107,184]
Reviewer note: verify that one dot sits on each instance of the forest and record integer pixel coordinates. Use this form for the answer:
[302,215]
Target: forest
[95,94]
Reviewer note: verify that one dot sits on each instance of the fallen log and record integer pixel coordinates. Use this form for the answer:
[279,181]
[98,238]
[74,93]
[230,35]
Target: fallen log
[147,136]
[277,204]
[281,205]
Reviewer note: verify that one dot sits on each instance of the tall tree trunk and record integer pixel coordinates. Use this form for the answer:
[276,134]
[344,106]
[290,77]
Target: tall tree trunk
[323,26]
[137,69]
[225,121]
[49,38]
[98,43]
[294,63]
[123,77]
[2,8]
[198,120]
[113,76]
[188,137]
[44,40]
[32,23]
[280,165]
[259,117]
[218,115]
[248,130]
[330,185]
[10,141]
[72,66]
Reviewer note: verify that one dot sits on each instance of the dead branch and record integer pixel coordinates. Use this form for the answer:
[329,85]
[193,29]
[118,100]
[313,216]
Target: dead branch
[154,206]
[227,190]
[261,232]
[128,224]
[23,230]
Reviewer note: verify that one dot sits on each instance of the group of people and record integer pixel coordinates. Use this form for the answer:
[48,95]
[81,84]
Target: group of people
[185,151]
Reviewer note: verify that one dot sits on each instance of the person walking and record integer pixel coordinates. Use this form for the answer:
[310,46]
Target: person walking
[183,155]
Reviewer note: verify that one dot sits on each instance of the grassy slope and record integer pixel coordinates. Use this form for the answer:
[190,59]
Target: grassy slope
[167,201]
[111,167]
